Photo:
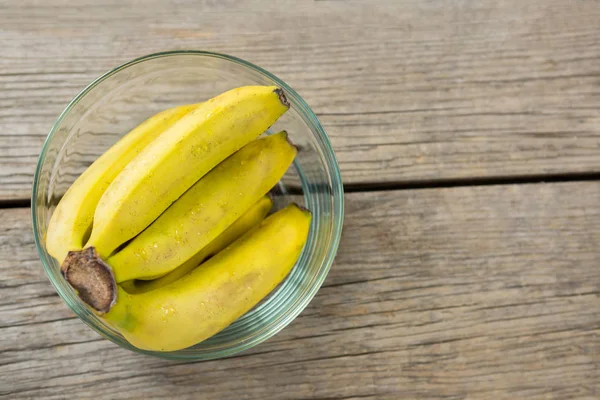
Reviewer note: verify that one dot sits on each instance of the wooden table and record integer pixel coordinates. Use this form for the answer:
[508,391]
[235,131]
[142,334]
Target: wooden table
[468,134]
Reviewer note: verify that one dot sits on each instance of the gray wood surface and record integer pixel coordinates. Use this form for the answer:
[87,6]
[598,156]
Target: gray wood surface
[409,91]
[487,292]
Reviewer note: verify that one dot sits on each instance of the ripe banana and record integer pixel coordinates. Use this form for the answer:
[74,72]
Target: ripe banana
[243,224]
[171,164]
[212,296]
[206,210]
[71,222]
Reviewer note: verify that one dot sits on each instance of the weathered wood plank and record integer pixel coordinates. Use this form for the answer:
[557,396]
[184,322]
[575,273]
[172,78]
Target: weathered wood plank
[408,91]
[478,292]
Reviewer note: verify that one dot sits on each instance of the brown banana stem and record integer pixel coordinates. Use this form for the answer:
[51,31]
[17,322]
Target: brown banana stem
[91,277]
[282,97]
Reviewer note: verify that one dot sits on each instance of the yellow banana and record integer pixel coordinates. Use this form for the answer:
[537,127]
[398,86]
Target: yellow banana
[243,224]
[206,210]
[215,294]
[72,220]
[171,164]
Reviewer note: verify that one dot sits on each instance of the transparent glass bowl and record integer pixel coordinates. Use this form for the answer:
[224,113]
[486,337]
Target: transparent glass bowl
[118,101]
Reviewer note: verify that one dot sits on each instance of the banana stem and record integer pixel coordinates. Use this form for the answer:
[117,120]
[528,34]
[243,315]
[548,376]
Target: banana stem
[91,277]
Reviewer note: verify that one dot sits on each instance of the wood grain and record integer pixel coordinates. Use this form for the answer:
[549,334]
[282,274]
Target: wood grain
[410,90]
[475,292]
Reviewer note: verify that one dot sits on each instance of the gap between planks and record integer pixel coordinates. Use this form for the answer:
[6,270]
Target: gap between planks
[417,185]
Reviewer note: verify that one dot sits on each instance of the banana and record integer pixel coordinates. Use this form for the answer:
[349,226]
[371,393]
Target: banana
[174,161]
[243,224]
[214,295]
[206,210]
[72,220]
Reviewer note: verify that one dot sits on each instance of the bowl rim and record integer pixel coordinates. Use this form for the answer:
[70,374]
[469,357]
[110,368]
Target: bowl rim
[333,172]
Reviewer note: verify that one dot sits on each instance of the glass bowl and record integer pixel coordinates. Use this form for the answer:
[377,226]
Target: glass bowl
[118,101]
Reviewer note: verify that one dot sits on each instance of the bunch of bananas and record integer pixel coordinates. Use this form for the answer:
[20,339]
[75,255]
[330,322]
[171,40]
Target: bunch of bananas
[165,234]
